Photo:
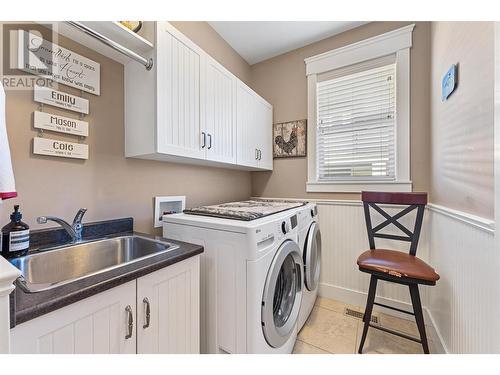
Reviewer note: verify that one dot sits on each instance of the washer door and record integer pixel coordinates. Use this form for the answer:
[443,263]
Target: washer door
[312,257]
[282,294]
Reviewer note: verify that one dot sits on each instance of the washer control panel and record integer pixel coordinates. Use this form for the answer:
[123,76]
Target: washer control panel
[314,211]
[285,227]
[288,224]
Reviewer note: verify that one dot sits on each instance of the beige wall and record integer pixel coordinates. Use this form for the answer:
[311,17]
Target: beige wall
[112,186]
[462,127]
[282,81]
[108,184]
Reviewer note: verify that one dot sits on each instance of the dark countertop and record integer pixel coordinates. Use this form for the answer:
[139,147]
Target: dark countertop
[26,306]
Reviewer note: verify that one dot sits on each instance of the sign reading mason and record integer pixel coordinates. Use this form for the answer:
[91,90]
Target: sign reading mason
[48,121]
[38,56]
[61,99]
[54,147]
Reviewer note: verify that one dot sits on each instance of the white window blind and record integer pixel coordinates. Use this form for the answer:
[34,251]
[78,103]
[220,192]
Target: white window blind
[356,118]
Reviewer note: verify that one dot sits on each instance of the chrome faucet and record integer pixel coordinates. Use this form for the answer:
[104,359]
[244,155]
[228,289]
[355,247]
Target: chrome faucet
[74,230]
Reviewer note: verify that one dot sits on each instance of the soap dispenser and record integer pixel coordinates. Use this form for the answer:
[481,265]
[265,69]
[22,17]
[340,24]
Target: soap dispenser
[15,236]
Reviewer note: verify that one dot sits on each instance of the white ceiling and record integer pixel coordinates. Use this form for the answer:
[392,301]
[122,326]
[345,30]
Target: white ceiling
[256,41]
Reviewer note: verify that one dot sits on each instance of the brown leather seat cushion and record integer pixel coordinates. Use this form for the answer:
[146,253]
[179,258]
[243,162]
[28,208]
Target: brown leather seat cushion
[397,263]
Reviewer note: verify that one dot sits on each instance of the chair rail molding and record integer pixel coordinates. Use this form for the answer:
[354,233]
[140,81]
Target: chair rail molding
[8,274]
[485,224]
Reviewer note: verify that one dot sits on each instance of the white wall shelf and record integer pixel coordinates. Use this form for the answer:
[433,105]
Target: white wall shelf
[139,43]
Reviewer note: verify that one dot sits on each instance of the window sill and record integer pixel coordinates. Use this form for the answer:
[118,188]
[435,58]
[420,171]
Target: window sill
[358,186]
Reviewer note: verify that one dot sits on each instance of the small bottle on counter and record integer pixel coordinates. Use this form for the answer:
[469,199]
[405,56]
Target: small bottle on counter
[15,240]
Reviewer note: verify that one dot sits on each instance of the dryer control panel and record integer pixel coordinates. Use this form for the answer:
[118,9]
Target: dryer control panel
[276,231]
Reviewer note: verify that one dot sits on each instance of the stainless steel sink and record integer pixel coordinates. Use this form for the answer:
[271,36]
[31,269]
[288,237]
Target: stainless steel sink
[62,265]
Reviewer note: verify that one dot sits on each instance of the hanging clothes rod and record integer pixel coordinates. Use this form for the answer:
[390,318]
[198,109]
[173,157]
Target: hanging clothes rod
[148,63]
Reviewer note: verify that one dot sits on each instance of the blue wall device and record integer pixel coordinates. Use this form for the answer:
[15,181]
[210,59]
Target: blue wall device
[449,82]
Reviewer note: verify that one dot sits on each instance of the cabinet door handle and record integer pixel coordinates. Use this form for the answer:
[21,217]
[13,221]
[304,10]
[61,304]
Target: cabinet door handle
[204,139]
[148,312]
[130,322]
[256,154]
[260,154]
[209,141]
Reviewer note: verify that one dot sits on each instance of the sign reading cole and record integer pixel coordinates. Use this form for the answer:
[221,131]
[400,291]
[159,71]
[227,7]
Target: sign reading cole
[54,147]
[38,56]
[61,99]
[61,124]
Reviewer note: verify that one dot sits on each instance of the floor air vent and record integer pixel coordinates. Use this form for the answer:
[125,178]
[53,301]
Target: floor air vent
[359,315]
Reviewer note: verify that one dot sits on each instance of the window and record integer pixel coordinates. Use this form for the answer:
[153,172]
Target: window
[355,136]
[358,116]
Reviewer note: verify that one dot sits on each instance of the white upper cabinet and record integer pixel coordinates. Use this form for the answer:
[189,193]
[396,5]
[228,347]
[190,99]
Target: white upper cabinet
[179,67]
[219,117]
[264,134]
[186,109]
[254,129]
[246,127]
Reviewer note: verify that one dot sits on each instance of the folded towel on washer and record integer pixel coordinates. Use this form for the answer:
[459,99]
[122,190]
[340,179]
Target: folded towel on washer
[7,183]
[245,210]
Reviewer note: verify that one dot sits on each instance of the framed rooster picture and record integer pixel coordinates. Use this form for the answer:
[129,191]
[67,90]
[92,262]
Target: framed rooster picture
[289,139]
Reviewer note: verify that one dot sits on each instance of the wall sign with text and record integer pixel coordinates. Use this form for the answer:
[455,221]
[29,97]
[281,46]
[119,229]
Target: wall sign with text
[38,56]
[61,124]
[54,147]
[61,99]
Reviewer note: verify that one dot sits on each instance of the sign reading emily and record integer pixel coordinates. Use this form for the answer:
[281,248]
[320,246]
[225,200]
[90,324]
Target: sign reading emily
[54,147]
[60,99]
[38,56]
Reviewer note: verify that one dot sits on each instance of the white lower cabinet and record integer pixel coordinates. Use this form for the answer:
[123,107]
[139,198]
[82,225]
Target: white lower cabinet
[168,309]
[98,324]
[115,321]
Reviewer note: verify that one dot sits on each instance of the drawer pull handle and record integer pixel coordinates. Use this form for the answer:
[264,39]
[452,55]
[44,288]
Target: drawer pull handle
[130,320]
[148,312]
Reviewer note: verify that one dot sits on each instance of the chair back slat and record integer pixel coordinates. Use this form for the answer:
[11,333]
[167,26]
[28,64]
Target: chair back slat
[394,198]
[414,201]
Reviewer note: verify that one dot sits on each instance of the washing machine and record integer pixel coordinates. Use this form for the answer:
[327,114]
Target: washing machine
[252,276]
[309,239]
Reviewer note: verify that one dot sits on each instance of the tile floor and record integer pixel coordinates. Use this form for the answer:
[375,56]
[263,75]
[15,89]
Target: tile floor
[328,330]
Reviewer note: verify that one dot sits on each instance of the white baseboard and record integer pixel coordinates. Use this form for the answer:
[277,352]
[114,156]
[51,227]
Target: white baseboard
[358,298]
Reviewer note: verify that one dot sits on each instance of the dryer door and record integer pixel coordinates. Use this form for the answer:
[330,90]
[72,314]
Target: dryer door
[312,257]
[282,294]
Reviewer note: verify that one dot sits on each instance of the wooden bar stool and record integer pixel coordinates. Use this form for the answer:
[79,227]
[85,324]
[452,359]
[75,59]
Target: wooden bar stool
[392,265]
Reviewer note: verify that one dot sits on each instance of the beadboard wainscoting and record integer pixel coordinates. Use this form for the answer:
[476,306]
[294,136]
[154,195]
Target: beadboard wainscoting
[464,305]
[460,311]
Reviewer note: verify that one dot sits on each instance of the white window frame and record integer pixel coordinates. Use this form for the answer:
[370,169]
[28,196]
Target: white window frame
[397,42]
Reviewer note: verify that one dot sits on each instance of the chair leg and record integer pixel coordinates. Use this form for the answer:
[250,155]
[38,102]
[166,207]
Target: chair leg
[368,310]
[419,317]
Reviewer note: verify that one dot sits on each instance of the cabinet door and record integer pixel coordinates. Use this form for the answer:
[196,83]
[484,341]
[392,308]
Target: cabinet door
[246,121]
[178,65]
[173,296]
[265,138]
[219,119]
[98,324]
